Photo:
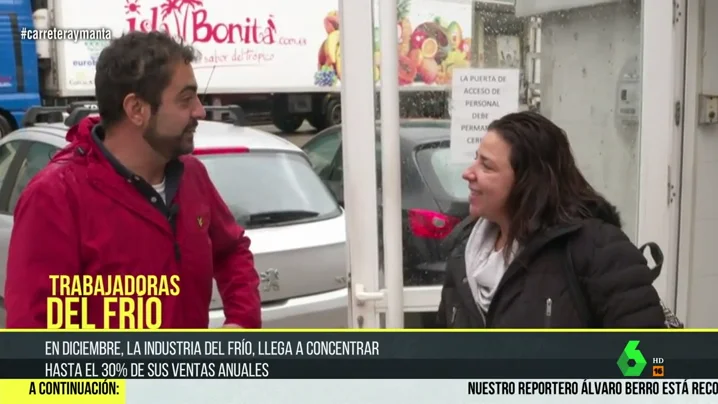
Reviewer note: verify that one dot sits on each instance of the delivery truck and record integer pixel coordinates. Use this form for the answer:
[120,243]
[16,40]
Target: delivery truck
[19,73]
[280,58]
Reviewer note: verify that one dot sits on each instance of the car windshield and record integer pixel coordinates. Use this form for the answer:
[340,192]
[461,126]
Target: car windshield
[448,173]
[270,188]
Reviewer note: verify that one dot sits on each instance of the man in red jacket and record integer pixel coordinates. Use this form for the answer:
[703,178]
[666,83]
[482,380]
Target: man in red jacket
[125,215]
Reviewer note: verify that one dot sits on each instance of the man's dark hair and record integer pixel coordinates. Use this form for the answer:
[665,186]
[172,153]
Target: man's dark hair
[549,189]
[140,63]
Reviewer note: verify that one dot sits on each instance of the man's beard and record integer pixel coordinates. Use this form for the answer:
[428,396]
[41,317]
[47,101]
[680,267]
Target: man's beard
[170,147]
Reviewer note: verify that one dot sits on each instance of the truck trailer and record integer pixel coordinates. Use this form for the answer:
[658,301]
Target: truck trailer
[278,59]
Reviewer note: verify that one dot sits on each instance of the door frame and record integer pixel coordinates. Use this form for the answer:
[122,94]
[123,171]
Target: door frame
[359,162]
[660,148]
[692,82]
[660,158]
[661,132]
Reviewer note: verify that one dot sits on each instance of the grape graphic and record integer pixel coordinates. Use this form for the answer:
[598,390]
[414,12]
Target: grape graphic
[326,77]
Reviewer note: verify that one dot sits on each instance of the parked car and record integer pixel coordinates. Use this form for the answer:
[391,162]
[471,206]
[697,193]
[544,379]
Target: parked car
[434,196]
[295,224]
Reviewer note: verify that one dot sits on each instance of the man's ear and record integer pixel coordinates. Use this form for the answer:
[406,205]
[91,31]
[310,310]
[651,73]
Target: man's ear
[137,110]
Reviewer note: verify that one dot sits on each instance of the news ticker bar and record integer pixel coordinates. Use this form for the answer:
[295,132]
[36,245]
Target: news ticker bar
[206,368]
[386,345]
[377,354]
[318,391]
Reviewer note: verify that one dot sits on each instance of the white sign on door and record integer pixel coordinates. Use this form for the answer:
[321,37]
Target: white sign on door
[478,97]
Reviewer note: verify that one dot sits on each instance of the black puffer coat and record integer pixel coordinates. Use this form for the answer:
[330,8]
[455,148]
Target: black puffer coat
[610,269]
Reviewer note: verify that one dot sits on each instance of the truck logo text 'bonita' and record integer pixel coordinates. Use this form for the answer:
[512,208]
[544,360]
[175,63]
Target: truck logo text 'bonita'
[188,19]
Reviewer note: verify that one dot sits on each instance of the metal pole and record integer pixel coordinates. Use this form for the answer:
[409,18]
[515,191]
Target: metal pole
[391,165]
[359,154]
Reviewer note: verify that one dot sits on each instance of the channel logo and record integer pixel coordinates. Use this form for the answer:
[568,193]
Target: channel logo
[632,362]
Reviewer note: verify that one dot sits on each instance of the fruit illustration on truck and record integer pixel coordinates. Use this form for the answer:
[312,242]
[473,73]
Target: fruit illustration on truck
[329,72]
[428,54]
[403,26]
[436,49]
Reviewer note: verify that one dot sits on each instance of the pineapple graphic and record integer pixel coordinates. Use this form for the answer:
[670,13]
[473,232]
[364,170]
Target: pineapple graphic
[402,11]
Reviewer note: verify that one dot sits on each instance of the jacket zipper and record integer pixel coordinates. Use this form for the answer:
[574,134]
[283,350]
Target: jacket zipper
[547,318]
[511,271]
[177,250]
[172,218]
[178,256]
[453,314]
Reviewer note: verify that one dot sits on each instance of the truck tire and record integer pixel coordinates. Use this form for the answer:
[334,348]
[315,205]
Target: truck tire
[329,116]
[288,123]
[333,113]
[316,119]
[282,119]
[5,126]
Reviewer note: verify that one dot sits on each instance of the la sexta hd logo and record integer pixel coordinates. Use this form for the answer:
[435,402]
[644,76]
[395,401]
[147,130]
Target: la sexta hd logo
[631,362]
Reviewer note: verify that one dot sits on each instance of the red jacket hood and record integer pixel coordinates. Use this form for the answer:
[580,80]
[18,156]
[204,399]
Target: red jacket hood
[80,139]
[82,131]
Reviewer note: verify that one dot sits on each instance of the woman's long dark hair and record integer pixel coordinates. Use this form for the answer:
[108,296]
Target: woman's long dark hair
[549,190]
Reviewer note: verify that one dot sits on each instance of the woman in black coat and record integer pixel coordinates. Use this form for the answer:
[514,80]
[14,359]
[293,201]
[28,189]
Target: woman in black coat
[542,248]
